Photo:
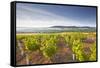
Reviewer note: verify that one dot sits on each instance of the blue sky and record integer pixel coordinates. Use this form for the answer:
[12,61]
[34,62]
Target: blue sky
[39,15]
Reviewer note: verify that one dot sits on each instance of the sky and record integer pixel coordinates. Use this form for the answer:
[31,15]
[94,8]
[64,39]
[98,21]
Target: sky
[43,15]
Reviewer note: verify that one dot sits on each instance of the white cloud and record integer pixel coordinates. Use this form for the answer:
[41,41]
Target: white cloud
[36,17]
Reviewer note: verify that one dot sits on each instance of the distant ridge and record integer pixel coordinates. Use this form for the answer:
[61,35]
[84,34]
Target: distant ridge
[71,27]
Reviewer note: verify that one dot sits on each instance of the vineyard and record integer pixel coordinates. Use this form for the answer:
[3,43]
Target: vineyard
[43,48]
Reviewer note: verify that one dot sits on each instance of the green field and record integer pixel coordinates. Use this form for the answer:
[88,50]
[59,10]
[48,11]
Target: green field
[42,48]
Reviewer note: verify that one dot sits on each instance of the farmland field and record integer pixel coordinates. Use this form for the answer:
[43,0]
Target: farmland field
[45,48]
